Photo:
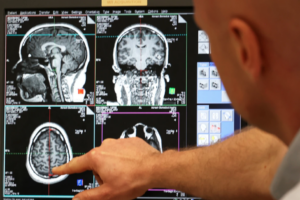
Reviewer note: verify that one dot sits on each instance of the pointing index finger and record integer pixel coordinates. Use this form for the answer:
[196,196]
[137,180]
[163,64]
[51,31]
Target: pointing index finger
[76,165]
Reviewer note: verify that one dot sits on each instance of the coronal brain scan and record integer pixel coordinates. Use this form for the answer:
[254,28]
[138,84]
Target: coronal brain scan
[141,58]
[149,134]
[49,147]
[146,67]
[53,63]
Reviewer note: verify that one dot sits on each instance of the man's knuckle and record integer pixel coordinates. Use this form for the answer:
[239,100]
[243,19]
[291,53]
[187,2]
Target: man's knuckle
[105,141]
[137,139]
[108,141]
[92,153]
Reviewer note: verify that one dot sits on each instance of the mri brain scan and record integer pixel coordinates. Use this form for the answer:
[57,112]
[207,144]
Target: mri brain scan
[149,134]
[49,147]
[141,58]
[53,63]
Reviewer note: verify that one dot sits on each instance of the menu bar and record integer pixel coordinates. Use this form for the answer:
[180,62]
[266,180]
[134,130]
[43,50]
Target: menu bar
[91,12]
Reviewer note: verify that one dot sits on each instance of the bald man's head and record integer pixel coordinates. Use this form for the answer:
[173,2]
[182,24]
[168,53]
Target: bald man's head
[255,45]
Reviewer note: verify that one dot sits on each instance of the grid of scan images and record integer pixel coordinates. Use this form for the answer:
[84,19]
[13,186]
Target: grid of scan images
[73,81]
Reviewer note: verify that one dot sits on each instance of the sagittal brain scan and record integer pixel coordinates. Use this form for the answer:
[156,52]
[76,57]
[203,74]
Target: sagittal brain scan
[49,147]
[52,66]
[49,61]
[147,133]
[146,67]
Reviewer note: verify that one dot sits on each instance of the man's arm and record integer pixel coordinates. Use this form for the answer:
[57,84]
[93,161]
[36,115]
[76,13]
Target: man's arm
[241,167]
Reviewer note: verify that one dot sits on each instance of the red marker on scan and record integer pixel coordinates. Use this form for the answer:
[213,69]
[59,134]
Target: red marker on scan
[80,91]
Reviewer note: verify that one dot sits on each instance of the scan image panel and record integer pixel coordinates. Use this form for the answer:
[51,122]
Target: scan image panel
[147,63]
[145,123]
[49,60]
[210,88]
[49,147]
[53,138]
[216,123]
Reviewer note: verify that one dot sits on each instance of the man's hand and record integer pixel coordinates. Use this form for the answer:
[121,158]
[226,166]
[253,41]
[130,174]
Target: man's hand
[122,168]
[242,167]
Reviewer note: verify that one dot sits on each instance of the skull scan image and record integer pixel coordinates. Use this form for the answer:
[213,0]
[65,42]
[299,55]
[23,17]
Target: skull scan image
[49,147]
[149,134]
[141,56]
[53,63]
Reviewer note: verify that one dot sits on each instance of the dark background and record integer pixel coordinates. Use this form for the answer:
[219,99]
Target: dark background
[177,53]
[17,141]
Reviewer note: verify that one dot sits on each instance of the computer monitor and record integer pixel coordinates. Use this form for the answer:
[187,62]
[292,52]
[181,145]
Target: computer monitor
[75,77]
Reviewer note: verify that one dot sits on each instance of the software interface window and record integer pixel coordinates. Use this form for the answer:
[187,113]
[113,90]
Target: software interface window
[74,78]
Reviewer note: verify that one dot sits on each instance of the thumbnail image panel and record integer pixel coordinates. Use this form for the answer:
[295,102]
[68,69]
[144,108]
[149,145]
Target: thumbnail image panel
[38,139]
[210,88]
[216,123]
[145,123]
[49,60]
[141,60]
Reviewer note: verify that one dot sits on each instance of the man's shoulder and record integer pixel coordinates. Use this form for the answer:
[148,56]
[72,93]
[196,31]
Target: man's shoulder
[286,184]
[293,194]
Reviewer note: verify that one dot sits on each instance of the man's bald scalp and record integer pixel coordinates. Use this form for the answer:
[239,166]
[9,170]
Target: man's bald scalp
[271,20]
[273,27]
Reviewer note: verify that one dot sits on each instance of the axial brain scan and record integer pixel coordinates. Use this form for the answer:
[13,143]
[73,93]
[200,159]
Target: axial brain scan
[149,134]
[53,64]
[140,58]
[49,147]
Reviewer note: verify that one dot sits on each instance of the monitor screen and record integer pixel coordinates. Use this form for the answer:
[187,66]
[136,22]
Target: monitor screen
[75,77]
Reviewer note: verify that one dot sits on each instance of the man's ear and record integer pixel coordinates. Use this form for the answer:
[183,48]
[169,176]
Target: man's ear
[247,47]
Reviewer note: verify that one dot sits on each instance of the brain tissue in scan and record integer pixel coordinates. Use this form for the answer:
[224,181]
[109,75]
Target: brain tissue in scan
[53,63]
[147,133]
[141,57]
[49,147]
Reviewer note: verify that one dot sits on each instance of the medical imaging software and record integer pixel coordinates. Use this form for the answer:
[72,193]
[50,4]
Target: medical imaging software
[74,78]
